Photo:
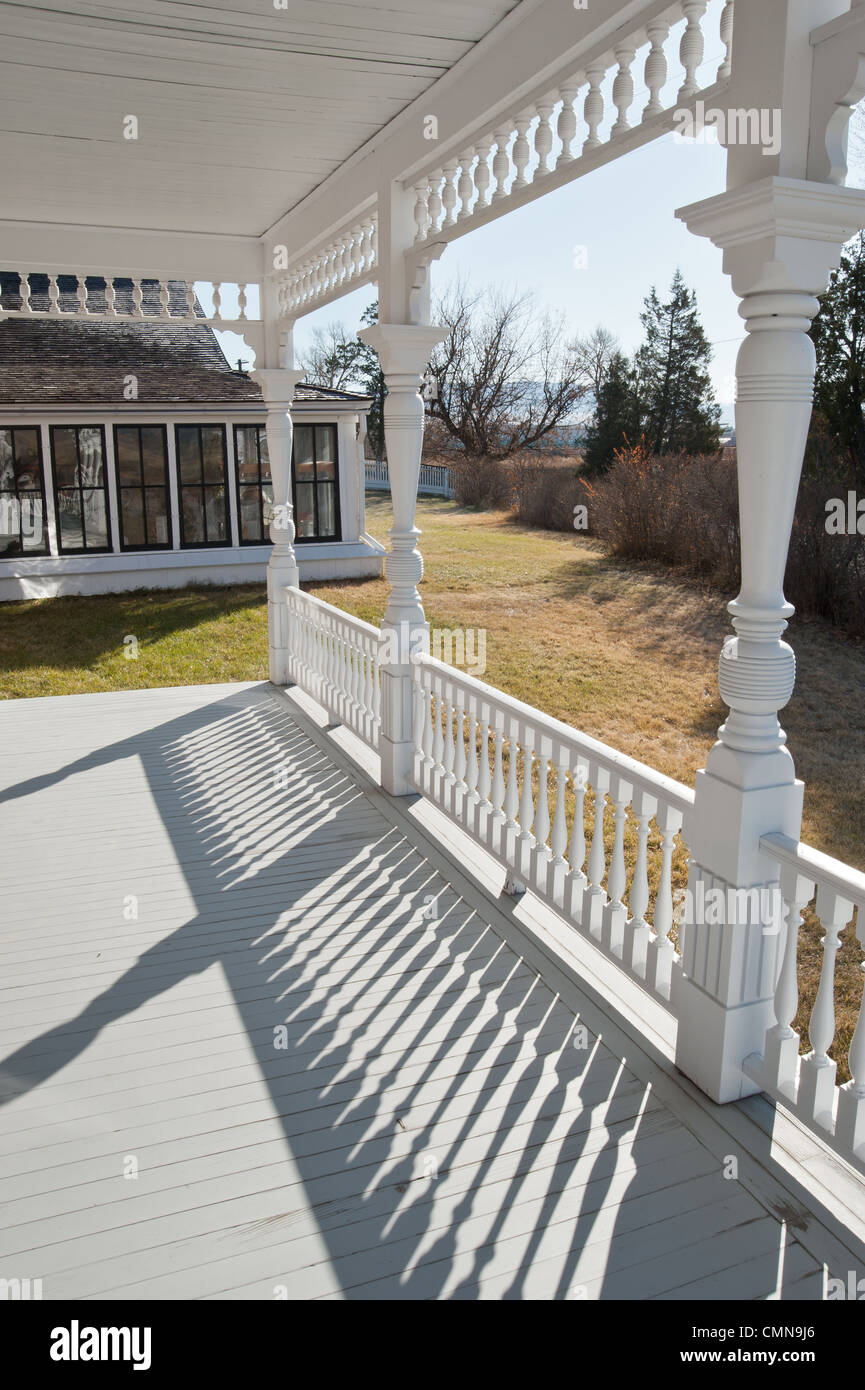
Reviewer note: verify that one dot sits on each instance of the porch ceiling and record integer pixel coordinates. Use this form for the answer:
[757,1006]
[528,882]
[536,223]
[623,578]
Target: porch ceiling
[242,108]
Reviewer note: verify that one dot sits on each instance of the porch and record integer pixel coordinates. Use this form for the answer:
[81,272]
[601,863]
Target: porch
[200,868]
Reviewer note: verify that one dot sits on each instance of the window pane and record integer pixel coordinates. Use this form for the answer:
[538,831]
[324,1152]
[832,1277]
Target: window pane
[95,519]
[33,522]
[156,507]
[7,473]
[153,454]
[128,463]
[214,502]
[326,509]
[10,521]
[247,460]
[188,455]
[267,504]
[193,516]
[325,442]
[265,456]
[132,513]
[90,451]
[69,516]
[65,459]
[303,454]
[27,460]
[305,511]
[325,468]
[214,456]
[250,519]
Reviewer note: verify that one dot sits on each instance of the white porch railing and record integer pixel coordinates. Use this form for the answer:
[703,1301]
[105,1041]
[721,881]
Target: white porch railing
[433,477]
[535,794]
[807,1084]
[335,659]
[493,764]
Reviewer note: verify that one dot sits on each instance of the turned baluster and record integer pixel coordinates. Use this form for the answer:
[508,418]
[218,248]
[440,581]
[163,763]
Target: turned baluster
[660,954]
[482,174]
[484,761]
[638,931]
[850,1128]
[542,814]
[512,799]
[438,733]
[522,152]
[497,792]
[544,136]
[190,299]
[656,67]
[559,837]
[466,185]
[241,302]
[435,204]
[623,89]
[460,751]
[217,301]
[595,898]
[53,295]
[421,209]
[473,767]
[593,108]
[817,1076]
[427,743]
[726,30]
[501,163]
[449,193]
[577,845]
[692,46]
[782,1042]
[567,122]
[81,295]
[24,292]
[137,299]
[366,248]
[617,881]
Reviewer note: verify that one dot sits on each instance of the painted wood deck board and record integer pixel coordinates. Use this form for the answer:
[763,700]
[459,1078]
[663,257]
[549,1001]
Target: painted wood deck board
[224,967]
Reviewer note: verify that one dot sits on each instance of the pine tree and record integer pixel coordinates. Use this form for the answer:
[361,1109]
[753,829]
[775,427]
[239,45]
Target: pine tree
[675,387]
[838,333]
[617,419]
[371,377]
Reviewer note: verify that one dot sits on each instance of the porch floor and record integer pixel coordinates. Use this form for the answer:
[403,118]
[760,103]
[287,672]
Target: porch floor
[188,872]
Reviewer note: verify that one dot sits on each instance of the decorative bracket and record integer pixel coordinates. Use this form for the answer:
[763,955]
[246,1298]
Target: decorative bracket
[837,84]
[417,278]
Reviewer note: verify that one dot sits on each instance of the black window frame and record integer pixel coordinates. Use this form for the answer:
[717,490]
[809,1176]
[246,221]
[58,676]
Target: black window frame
[226,543]
[143,487]
[45,549]
[335,480]
[260,429]
[85,549]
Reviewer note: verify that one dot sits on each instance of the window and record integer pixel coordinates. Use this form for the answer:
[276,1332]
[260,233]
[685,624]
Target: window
[22,496]
[142,487]
[314,483]
[202,485]
[254,486]
[80,487]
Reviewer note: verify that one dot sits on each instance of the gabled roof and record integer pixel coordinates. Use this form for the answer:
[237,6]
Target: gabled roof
[76,363]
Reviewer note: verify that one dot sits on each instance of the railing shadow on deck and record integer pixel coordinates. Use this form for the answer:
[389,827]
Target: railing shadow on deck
[506,1111]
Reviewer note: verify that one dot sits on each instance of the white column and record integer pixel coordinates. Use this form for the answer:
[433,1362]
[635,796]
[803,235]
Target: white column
[278,385]
[781,238]
[404,351]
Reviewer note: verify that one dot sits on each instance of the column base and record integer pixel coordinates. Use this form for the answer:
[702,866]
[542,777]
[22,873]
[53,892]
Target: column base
[713,1041]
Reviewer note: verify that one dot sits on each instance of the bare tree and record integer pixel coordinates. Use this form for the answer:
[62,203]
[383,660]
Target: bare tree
[505,376]
[594,354]
[333,357]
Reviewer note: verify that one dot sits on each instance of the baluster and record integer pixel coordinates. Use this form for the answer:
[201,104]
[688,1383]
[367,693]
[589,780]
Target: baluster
[345,259]
[691,47]
[217,300]
[567,123]
[421,210]
[369,681]
[375,242]
[512,799]
[623,89]
[817,1076]
[656,67]
[466,185]
[163,299]
[366,248]
[81,295]
[522,152]
[241,302]
[484,760]
[137,297]
[190,299]
[501,163]
[482,174]
[595,898]
[559,837]
[460,752]
[726,28]
[544,136]
[615,913]
[782,1042]
[434,203]
[428,756]
[24,292]
[850,1128]
[577,846]
[497,793]
[110,299]
[593,109]
[473,769]
[356,252]
[527,800]
[542,814]
[450,746]
[449,193]
[53,295]
[417,719]
[438,737]
[660,954]
[638,931]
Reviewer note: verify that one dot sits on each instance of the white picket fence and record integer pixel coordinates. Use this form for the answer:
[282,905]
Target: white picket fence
[433,478]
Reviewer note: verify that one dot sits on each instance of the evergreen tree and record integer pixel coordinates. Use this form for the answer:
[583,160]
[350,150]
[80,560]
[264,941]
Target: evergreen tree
[838,333]
[371,378]
[617,419]
[680,414]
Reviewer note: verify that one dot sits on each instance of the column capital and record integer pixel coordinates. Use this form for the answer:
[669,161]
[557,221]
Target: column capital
[404,349]
[278,385]
[779,233]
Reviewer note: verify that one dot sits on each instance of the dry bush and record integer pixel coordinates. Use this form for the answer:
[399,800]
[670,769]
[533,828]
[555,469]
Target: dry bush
[480,482]
[546,490]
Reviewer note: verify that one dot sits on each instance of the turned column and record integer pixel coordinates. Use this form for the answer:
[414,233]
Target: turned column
[278,386]
[404,351]
[781,238]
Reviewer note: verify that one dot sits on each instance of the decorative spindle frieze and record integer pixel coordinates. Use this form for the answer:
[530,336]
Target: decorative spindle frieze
[348,259]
